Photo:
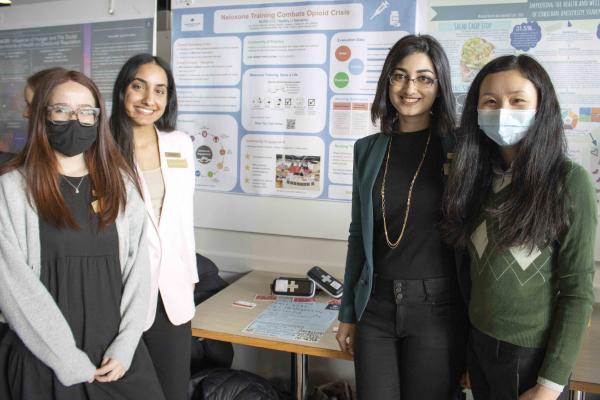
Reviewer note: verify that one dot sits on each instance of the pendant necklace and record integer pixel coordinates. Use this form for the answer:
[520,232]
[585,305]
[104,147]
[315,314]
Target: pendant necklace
[73,186]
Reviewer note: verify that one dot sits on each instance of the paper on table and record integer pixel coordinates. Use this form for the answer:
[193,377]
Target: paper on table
[294,321]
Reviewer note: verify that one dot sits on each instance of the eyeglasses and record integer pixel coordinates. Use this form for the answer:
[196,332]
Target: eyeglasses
[421,81]
[61,115]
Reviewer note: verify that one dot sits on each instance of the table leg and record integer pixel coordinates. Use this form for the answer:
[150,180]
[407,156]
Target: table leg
[299,375]
[576,395]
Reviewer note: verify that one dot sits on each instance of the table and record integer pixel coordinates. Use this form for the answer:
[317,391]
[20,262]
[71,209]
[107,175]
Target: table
[217,319]
[586,373]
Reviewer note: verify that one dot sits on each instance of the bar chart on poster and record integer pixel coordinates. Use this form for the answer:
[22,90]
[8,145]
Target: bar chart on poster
[274,95]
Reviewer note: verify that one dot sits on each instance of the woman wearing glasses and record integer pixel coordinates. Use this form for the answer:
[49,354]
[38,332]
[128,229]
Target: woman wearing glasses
[73,256]
[402,315]
[143,124]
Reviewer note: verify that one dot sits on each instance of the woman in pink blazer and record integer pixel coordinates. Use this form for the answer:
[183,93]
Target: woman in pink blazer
[143,124]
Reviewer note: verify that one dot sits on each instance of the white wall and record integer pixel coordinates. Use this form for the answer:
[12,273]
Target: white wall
[238,252]
[242,251]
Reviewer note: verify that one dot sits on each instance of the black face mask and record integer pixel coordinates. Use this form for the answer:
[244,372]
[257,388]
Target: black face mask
[71,138]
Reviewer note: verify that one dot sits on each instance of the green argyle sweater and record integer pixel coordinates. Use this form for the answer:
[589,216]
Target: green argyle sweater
[542,298]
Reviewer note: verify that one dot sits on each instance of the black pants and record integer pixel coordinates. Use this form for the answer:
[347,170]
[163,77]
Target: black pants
[411,342]
[500,370]
[170,349]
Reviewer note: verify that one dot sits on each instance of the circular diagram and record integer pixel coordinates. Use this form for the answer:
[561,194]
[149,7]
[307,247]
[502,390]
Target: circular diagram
[343,53]
[209,153]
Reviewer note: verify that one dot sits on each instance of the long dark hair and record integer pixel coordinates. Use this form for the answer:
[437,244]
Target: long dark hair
[443,109]
[40,166]
[120,124]
[535,212]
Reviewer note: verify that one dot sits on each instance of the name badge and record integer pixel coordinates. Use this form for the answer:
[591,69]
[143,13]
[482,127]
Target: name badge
[96,206]
[172,154]
[177,163]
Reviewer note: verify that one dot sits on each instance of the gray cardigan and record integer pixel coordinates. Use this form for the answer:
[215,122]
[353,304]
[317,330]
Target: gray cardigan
[29,308]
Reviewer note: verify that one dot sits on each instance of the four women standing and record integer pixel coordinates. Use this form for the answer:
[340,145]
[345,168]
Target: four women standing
[74,241]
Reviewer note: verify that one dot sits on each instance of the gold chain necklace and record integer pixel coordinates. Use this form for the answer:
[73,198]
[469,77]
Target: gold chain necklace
[393,245]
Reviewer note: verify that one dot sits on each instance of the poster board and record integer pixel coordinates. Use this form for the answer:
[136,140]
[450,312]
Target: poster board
[78,35]
[274,95]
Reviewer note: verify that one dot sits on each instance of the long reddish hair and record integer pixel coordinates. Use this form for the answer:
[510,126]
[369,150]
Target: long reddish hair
[38,161]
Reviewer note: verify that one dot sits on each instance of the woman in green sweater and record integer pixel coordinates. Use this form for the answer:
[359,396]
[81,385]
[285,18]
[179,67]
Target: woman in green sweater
[527,217]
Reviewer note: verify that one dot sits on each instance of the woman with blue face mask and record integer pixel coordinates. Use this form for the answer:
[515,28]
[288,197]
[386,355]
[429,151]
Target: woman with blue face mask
[526,216]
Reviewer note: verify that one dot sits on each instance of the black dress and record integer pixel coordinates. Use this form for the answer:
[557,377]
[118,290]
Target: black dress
[81,270]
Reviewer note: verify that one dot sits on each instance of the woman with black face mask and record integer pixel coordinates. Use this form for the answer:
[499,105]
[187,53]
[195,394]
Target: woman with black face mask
[74,283]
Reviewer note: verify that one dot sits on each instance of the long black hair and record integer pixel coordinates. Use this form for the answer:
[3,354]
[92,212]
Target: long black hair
[535,212]
[443,109]
[120,123]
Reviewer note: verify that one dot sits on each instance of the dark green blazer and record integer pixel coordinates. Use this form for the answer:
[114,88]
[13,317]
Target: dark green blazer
[358,278]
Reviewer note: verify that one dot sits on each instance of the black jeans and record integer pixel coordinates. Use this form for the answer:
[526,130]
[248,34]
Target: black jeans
[411,341]
[500,370]
[170,348]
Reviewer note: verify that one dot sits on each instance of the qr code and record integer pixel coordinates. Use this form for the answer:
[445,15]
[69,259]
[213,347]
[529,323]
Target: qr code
[308,335]
[291,124]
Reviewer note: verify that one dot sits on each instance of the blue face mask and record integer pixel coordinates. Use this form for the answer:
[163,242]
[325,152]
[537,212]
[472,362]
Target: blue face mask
[505,126]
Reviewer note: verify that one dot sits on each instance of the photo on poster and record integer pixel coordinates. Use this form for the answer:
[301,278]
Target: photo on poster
[474,54]
[293,171]
[282,165]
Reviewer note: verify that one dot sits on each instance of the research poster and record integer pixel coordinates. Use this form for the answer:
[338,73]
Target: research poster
[274,95]
[96,49]
[564,36]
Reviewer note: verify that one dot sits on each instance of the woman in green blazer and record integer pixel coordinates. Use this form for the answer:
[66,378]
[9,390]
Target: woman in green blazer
[402,315]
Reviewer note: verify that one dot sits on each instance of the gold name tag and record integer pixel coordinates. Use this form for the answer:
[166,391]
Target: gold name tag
[172,154]
[177,163]
[96,206]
